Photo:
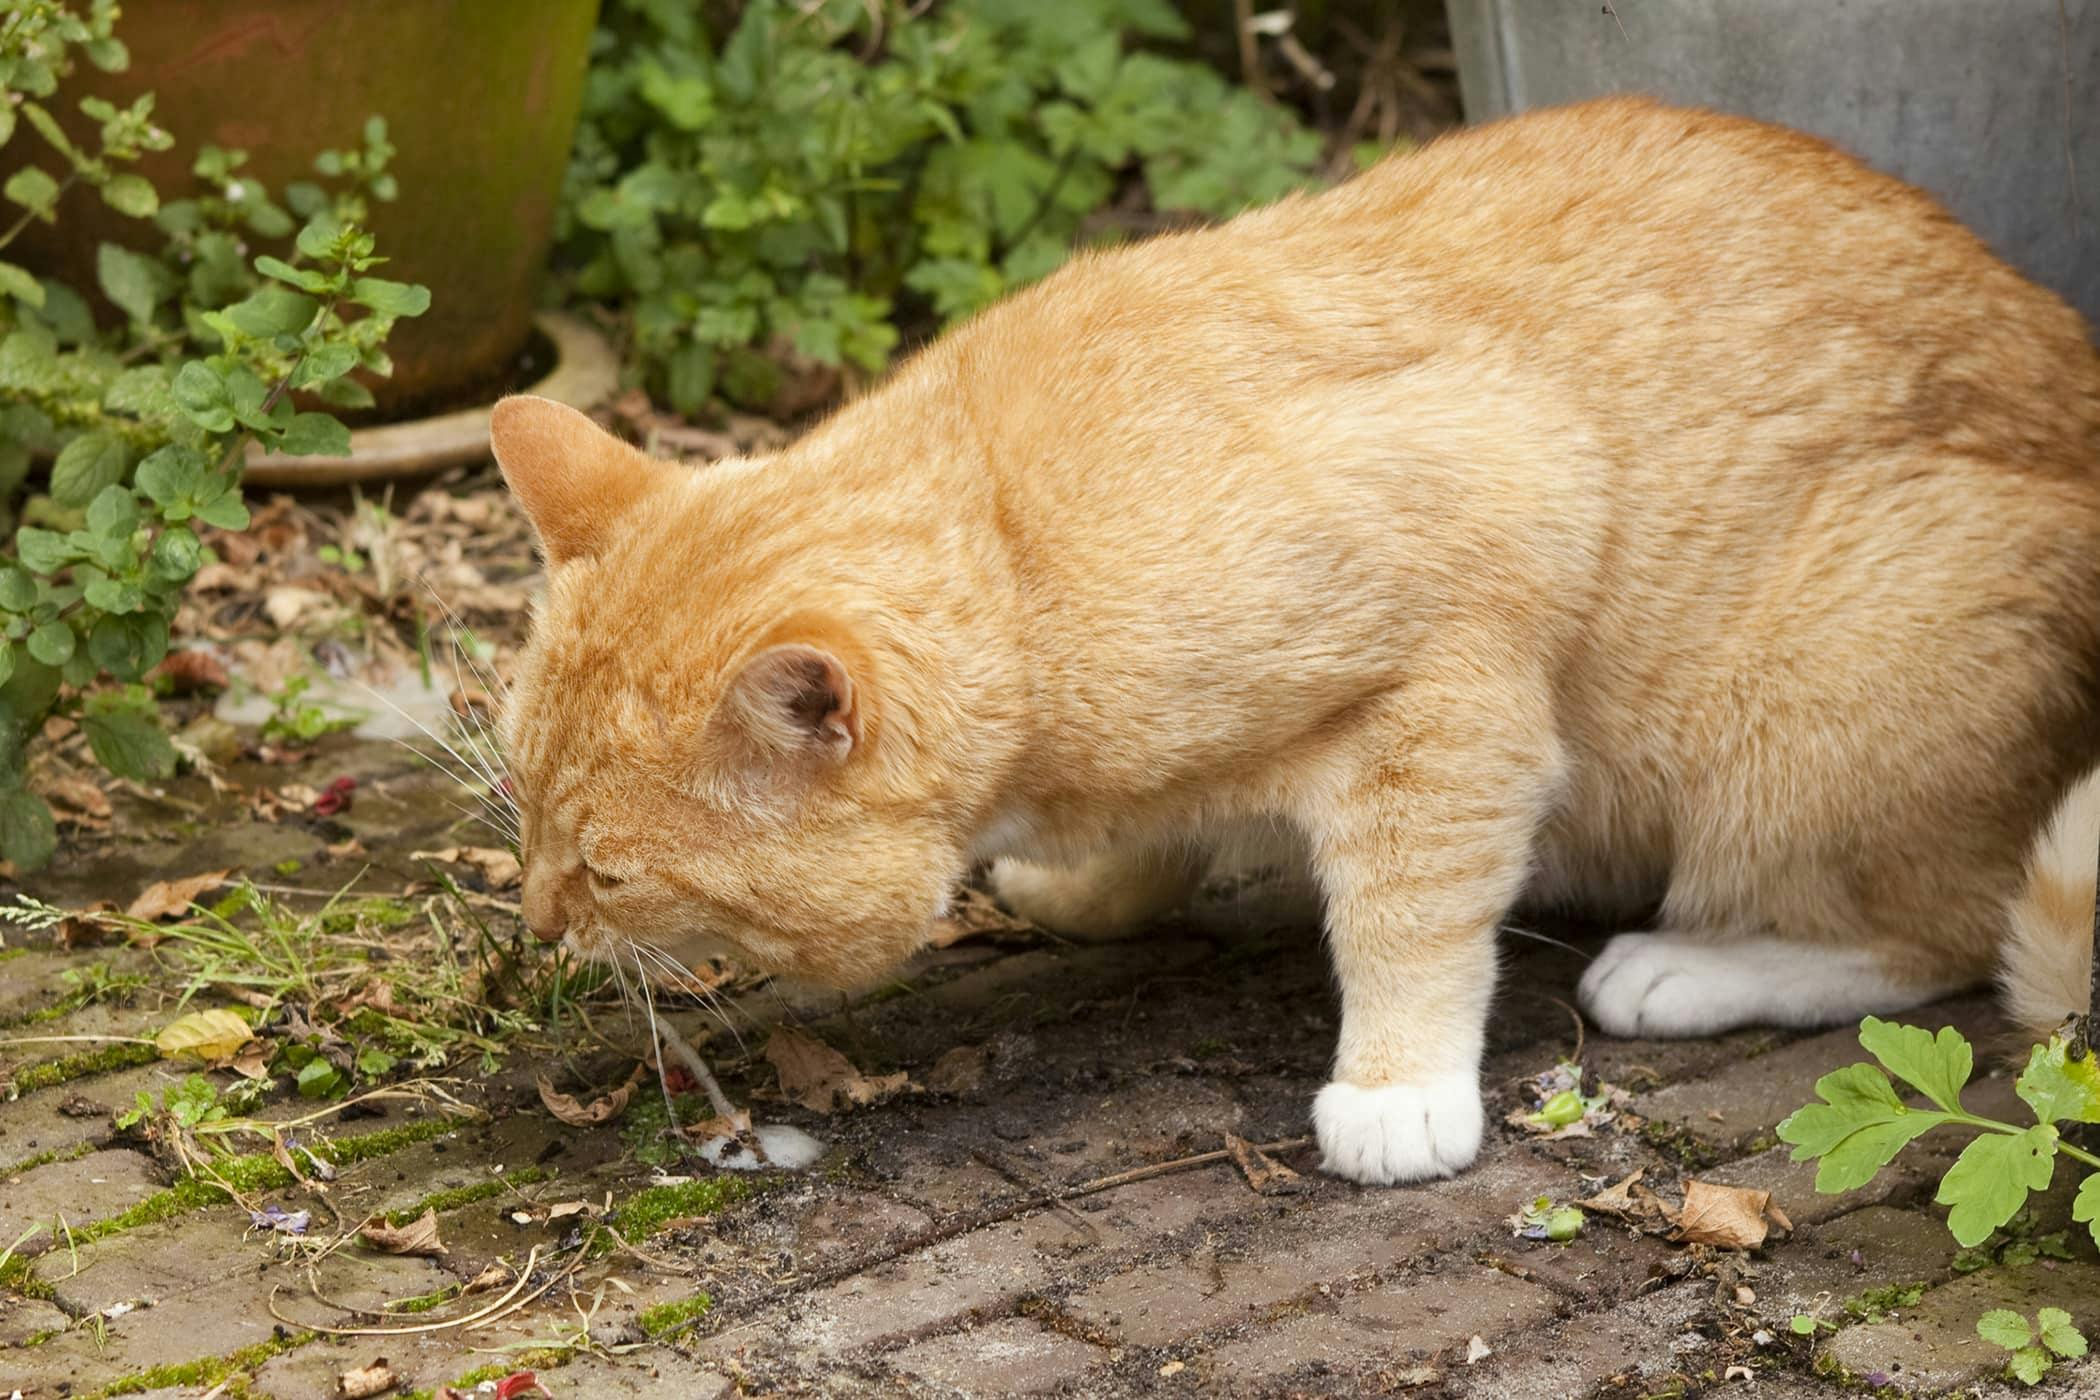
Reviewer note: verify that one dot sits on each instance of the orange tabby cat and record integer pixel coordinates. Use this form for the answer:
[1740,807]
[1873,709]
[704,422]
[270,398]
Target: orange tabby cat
[1616,503]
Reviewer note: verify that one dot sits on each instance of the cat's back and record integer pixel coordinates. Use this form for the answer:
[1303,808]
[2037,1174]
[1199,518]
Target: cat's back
[1669,251]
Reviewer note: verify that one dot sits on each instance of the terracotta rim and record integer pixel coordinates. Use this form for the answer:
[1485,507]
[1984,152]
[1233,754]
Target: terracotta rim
[586,373]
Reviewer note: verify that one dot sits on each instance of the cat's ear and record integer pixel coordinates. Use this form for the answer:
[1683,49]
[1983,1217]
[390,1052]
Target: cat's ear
[574,479]
[795,702]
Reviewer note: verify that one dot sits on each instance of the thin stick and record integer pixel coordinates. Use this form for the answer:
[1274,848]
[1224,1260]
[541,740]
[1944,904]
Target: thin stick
[697,1067]
[524,1277]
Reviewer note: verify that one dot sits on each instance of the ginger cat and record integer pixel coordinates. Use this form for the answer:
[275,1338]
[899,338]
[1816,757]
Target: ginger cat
[1612,504]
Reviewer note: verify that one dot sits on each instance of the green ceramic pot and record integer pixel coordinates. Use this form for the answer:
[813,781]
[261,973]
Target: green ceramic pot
[480,98]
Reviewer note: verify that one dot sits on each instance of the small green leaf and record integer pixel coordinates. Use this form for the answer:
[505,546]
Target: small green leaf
[172,473]
[20,283]
[1857,1130]
[2054,1328]
[390,298]
[52,643]
[312,434]
[113,512]
[128,740]
[28,835]
[32,189]
[1989,1182]
[2002,1327]
[273,310]
[43,551]
[17,589]
[203,396]
[303,278]
[2029,1365]
[225,511]
[319,1079]
[2086,1207]
[1802,1325]
[1936,1066]
[87,464]
[2059,1088]
[177,555]
[131,195]
[323,363]
[134,284]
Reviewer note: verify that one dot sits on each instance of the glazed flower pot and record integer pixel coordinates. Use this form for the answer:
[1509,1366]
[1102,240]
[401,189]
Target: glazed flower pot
[480,98]
[1992,107]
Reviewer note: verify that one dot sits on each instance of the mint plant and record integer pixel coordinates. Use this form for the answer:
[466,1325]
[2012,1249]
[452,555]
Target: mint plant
[2035,1350]
[799,180]
[1860,1124]
[244,329]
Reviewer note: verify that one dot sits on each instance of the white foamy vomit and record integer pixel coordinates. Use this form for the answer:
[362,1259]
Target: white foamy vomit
[788,1148]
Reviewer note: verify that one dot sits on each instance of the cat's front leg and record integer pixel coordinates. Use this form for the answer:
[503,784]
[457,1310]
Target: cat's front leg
[1422,847]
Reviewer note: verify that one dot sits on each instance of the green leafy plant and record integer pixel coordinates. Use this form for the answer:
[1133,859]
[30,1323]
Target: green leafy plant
[294,719]
[2037,1349]
[1860,1124]
[147,424]
[788,187]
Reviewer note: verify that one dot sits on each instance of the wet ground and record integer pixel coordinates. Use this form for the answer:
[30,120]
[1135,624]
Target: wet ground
[1044,1208]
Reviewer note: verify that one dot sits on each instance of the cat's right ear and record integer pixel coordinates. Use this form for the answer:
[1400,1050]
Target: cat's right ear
[574,479]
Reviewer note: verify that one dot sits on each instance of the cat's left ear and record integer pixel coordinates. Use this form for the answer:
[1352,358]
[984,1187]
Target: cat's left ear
[794,701]
[574,479]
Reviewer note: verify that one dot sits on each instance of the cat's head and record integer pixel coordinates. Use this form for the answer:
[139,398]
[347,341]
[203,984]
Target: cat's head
[712,750]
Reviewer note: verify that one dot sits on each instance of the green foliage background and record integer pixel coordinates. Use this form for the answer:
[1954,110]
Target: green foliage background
[773,180]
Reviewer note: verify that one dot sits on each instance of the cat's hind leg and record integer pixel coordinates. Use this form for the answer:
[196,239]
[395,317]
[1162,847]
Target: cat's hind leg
[1691,984]
[1111,894]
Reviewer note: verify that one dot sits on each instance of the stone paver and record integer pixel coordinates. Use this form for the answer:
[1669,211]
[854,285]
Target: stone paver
[906,1264]
[1013,1356]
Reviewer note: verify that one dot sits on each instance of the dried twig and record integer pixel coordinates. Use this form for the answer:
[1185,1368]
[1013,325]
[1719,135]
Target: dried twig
[445,1325]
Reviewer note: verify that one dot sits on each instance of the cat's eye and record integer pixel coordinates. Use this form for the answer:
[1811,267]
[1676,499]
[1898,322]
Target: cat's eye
[599,880]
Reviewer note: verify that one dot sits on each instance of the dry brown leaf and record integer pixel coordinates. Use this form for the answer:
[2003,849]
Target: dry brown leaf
[419,1236]
[960,1071]
[189,671]
[253,1062]
[82,927]
[165,897]
[491,1276]
[1630,1200]
[1267,1176]
[1732,1217]
[86,804]
[367,1381]
[602,1109]
[821,1079]
[498,867]
[973,914]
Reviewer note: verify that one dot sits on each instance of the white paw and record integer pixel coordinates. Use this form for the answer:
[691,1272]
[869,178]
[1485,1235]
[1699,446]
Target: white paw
[1399,1132]
[1661,984]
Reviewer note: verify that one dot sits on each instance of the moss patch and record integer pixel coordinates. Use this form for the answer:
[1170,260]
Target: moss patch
[257,1172]
[666,1318]
[207,1371]
[443,1201]
[66,1068]
[645,1212]
[45,1159]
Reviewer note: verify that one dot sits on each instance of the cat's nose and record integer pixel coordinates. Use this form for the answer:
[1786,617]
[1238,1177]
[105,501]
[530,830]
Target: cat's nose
[542,912]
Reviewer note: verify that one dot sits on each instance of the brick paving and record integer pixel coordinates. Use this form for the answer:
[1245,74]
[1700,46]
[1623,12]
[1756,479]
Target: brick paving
[900,1265]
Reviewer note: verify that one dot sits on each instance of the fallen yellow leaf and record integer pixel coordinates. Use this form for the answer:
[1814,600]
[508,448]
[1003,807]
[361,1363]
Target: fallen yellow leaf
[214,1035]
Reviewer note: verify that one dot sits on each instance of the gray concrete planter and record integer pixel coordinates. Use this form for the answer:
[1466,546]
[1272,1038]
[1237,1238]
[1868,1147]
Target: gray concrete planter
[1991,106]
